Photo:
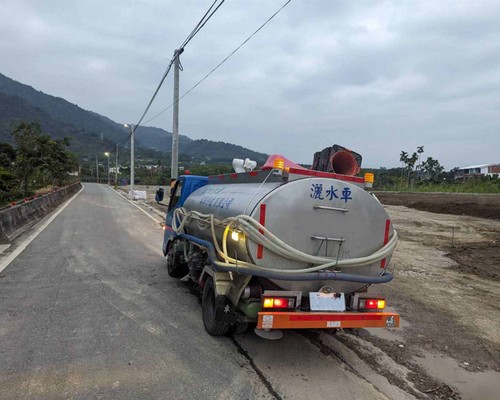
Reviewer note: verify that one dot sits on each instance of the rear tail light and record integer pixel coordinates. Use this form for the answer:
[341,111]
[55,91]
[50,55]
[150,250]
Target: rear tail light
[278,302]
[371,304]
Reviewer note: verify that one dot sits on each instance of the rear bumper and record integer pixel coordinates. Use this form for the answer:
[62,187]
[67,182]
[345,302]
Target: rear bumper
[326,320]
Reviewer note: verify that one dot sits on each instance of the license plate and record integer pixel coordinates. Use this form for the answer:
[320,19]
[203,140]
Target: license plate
[327,301]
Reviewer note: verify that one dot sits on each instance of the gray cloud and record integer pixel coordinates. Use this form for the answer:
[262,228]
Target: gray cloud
[378,77]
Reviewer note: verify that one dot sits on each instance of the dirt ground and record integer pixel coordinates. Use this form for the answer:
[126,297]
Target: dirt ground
[476,205]
[447,291]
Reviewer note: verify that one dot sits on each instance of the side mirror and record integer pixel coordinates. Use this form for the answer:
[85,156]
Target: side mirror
[160,193]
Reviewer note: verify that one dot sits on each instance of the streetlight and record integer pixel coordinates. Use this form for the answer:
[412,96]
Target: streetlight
[116,165]
[131,158]
[107,155]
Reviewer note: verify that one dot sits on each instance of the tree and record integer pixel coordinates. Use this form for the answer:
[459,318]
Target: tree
[7,155]
[409,162]
[403,157]
[432,168]
[37,153]
[55,161]
[26,136]
[8,181]
[420,150]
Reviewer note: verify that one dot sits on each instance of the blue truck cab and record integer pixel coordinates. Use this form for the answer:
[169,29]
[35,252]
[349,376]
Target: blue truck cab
[185,185]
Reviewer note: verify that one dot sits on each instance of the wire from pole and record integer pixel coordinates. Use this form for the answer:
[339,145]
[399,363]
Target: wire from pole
[177,53]
[222,62]
[202,23]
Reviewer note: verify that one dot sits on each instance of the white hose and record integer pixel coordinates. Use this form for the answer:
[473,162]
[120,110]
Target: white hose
[260,235]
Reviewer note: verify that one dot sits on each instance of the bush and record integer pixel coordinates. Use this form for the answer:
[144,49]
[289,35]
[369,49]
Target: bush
[9,185]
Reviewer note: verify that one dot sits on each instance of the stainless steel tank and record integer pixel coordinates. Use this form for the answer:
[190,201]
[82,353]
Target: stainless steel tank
[316,215]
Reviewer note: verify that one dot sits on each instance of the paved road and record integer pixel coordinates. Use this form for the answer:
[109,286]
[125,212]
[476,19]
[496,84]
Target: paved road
[87,310]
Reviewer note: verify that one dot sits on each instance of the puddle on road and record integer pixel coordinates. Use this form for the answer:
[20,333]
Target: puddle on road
[471,385]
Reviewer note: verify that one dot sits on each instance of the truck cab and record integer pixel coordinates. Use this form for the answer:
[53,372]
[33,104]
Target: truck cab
[184,186]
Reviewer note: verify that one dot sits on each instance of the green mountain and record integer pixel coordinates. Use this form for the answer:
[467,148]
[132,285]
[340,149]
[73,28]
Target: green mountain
[159,139]
[63,111]
[92,133]
[13,110]
[210,151]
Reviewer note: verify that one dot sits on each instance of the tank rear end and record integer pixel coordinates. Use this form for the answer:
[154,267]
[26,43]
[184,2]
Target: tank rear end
[323,217]
[318,215]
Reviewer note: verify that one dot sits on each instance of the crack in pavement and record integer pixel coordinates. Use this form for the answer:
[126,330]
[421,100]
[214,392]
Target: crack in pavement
[313,338]
[257,370]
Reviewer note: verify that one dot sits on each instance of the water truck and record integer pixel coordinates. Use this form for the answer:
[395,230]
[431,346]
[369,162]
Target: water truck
[283,247]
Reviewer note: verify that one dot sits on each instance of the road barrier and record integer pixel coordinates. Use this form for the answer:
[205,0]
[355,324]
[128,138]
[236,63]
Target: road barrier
[17,218]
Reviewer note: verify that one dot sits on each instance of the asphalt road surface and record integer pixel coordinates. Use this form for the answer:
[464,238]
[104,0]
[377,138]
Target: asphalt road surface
[88,311]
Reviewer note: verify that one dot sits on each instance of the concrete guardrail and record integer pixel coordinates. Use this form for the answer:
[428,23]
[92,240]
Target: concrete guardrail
[19,216]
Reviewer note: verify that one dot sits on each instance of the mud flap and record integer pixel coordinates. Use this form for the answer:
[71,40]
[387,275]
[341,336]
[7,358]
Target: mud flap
[225,311]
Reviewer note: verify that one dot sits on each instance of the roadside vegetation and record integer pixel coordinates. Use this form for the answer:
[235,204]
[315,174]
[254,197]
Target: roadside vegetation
[420,174]
[36,161]
[416,174]
[388,180]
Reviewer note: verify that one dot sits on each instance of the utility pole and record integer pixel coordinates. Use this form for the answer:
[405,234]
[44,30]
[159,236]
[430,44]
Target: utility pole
[132,166]
[96,169]
[175,130]
[131,159]
[116,165]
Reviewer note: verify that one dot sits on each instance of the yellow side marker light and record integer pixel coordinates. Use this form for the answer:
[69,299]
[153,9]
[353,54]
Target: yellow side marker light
[268,302]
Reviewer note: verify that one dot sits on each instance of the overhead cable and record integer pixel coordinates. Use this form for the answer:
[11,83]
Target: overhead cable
[222,62]
[177,53]
[202,23]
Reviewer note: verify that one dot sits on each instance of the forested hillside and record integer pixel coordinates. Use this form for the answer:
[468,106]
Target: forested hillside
[91,133]
[220,151]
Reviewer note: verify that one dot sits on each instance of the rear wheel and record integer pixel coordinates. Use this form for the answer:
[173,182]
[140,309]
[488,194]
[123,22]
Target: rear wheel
[175,267]
[240,328]
[212,308]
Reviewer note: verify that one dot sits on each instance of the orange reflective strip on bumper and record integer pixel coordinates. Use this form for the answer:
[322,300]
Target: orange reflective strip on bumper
[323,320]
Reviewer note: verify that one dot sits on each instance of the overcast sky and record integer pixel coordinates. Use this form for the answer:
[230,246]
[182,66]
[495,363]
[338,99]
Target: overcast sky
[376,76]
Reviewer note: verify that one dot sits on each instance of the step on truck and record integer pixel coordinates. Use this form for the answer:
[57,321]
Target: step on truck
[283,247]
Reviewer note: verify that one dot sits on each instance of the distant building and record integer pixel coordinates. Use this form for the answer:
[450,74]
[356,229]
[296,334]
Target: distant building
[477,171]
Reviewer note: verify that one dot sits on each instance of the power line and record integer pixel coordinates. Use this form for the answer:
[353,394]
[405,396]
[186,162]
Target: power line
[156,91]
[202,23]
[222,62]
[177,53]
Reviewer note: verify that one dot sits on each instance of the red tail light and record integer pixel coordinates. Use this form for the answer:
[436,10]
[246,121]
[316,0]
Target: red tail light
[278,302]
[371,304]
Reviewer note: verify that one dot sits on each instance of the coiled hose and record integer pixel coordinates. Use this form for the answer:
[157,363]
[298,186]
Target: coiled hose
[262,236]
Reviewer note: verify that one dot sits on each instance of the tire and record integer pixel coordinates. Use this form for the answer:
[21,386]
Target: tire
[240,328]
[175,268]
[209,307]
